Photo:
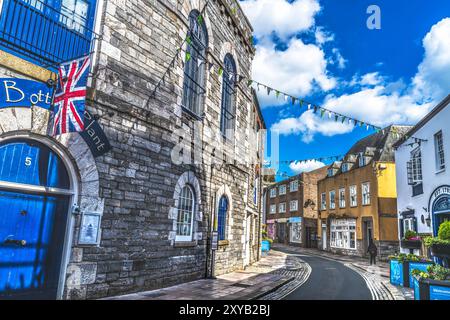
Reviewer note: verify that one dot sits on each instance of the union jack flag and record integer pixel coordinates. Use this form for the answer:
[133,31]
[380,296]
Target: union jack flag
[70,96]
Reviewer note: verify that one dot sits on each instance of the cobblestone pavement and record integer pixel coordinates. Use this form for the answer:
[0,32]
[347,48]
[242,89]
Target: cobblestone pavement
[270,273]
[375,276]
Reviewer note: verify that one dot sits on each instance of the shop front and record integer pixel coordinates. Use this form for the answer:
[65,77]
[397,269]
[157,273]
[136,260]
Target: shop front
[295,230]
[439,205]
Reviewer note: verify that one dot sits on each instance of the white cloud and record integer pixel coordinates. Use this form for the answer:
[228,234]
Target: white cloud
[309,124]
[297,70]
[307,166]
[432,81]
[280,17]
[322,36]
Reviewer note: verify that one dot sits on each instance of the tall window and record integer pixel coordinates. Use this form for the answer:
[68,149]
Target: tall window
[293,205]
[222,218]
[323,201]
[366,193]
[186,209]
[282,189]
[345,167]
[273,208]
[293,186]
[353,198]
[228,97]
[282,207]
[273,192]
[74,14]
[342,198]
[362,159]
[415,167]
[439,151]
[194,69]
[332,199]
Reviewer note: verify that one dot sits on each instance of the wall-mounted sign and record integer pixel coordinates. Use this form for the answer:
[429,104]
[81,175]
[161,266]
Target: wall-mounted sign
[94,136]
[15,92]
[439,293]
[90,229]
[295,220]
[214,240]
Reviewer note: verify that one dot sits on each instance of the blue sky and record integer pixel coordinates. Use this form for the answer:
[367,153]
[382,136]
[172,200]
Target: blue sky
[322,51]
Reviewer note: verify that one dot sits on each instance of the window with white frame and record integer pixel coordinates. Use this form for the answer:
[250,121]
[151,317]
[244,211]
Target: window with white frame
[330,172]
[293,186]
[342,198]
[273,192]
[353,196]
[323,201]
[332,199]
[273,208]
[415,167]
[362,159]
[344,167]
[282,207]
[439,151]
[282,189]
[186,207]
[366,193]
[343,233]
[408,225]
[293,205]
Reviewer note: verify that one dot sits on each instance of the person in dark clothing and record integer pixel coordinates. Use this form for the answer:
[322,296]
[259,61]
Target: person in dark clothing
[373,251]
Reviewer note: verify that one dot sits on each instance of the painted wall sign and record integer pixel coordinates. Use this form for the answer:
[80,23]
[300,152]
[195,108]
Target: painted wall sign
[295,220]
[439,293]
[90,229]
[436,193]
[214,240]
[15,92]
[94,136]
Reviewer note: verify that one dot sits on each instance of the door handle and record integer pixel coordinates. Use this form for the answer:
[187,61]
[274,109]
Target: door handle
[21,243]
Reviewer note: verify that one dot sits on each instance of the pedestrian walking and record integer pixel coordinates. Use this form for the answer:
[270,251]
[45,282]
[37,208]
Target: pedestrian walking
[373,251]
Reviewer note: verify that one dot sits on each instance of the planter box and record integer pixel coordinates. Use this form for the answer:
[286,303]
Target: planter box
[265,245]
[426,289]
[399,273]
[440,250]
[422,266]
[410,244]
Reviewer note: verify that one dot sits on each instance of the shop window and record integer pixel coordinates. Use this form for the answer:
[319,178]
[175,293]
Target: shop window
[343,233]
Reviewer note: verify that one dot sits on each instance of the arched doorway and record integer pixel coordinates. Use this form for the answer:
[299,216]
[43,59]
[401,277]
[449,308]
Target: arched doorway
[441,212]
[35,195]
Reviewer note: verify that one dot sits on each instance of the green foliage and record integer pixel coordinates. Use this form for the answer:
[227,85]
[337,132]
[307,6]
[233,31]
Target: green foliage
[410,234]
[434,272]
[402,257]
[444,231]
[429,241]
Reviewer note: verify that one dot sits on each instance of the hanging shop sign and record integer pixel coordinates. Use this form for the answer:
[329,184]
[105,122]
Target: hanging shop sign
[295,220]
[16,92]
[94,136]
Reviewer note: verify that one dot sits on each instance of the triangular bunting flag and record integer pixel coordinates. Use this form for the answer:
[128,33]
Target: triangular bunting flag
[322,111]
[249,83]
[199,62]
[277,93]
[188,56]
[343,119]
[293,100]
[220,71]
[200,19]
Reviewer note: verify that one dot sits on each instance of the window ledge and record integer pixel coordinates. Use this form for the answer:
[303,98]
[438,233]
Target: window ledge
[224,243]
[440,171]
[191,113]
[185,244]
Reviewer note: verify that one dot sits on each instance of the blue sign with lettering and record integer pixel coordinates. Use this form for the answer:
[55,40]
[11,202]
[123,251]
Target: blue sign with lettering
[16,92]
[396,272]
[416,289]
[295,220]
[416,266]
[439,293]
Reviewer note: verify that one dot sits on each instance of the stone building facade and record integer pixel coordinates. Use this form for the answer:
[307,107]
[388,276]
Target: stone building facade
[291,209]
[173,174]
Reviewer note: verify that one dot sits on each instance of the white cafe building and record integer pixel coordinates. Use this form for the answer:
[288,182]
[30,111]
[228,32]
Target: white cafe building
[422,160]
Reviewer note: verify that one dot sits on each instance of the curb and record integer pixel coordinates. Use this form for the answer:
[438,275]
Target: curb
[262,294]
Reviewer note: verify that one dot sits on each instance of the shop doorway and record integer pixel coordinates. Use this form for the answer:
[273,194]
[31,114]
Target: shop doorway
[367,234]
[35,193]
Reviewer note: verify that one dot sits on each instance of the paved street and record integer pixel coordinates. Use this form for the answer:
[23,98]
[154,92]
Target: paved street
[330,280]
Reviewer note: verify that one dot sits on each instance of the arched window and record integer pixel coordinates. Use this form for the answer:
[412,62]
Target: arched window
[222,217]
[186,207]
[228,97]
[194,69]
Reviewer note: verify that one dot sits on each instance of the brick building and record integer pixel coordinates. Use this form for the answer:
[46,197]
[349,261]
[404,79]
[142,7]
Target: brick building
[291,209]
[183,162]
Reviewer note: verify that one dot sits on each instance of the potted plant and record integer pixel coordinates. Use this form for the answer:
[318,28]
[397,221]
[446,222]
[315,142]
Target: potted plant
[411,240]
[440,245]
[401,266]
[432,284]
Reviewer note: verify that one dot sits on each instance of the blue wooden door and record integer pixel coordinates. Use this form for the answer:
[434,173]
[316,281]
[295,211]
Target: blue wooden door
[32,224]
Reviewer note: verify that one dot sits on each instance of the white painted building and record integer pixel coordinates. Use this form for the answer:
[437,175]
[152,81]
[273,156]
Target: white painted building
[422,161]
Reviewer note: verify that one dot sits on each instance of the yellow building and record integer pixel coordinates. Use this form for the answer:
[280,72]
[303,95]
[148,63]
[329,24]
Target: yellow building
[357,199]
